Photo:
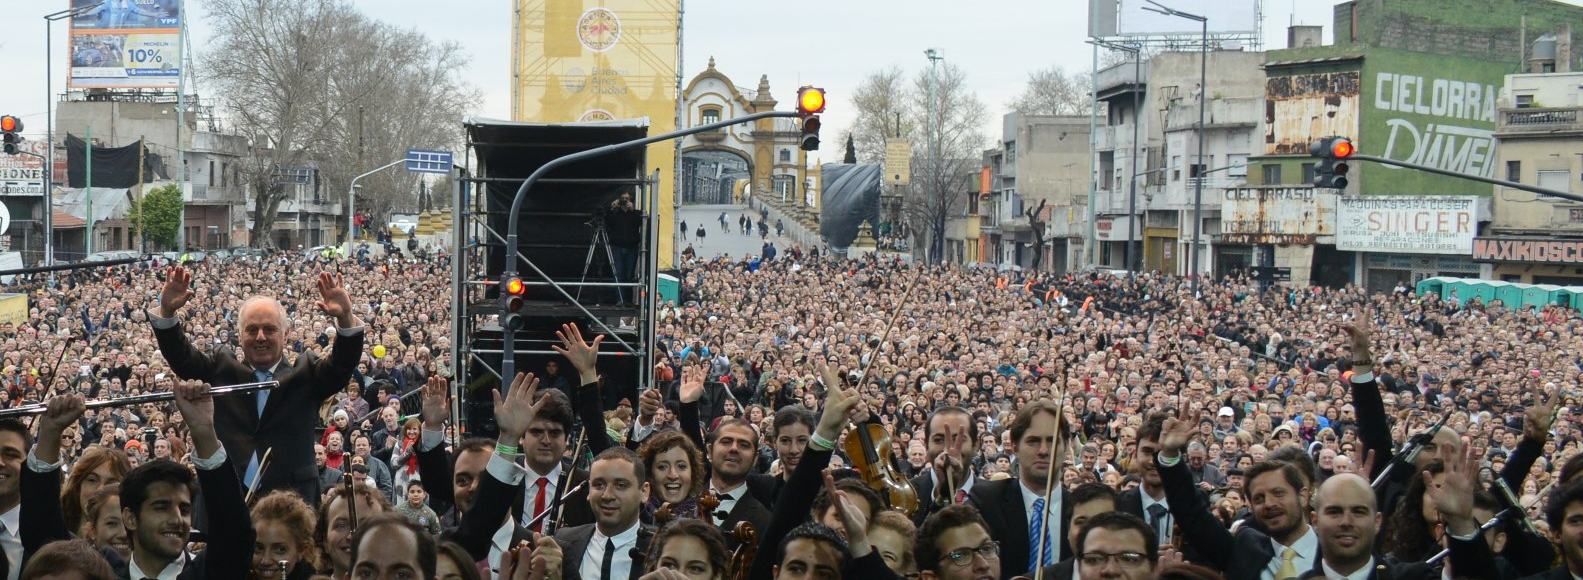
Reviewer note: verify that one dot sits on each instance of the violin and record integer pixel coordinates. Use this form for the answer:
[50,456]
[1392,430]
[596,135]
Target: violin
[870,454]
[747,544]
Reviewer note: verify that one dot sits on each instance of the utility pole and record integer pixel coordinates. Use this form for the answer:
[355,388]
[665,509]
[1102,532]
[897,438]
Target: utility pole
[88,191]
[935,178]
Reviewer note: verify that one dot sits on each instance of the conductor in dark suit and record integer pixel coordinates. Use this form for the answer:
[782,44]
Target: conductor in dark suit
[279,421]
[613,547]
[1278,492]
[1030,526]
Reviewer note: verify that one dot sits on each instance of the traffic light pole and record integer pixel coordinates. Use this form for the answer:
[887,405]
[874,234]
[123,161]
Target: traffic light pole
[508,351]
[1501,182]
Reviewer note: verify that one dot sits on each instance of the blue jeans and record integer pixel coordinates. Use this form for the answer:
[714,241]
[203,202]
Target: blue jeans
[626,263]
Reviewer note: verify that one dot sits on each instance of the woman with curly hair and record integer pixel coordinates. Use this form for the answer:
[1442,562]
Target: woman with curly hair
[284,525]
[99,466]
[695,549]
[676,474]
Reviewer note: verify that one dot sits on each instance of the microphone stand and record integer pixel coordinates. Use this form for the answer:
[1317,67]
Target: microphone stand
[1409,452]
[1510,499]
[1489,525]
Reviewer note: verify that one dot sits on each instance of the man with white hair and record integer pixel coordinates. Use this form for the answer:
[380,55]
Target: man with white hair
[280,421]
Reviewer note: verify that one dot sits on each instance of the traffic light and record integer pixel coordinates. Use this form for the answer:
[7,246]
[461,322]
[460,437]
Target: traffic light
[810,102]
[1332,169]
[11,129]
[511,291]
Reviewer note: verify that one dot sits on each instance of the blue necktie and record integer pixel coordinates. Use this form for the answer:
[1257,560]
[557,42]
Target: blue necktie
[1036,536]
[262,396]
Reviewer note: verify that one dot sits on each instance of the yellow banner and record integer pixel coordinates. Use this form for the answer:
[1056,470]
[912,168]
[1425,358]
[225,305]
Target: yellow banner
[13,308]
[592,60]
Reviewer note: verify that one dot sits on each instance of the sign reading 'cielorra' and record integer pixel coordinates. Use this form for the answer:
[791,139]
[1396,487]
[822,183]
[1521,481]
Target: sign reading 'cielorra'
[1407,224]
[1520,250]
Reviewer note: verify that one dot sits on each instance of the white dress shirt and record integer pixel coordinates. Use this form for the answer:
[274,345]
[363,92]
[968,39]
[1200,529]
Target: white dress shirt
[505,469]
[1307,548]
[500,544]
[1052,520]
[11,539]
[136,571]
[532,490]
[1360,574]
[620,565]
[1165,520]
[729,497]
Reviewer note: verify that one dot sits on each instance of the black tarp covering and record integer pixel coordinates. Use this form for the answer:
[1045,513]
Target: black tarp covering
[112,166]
[850,196]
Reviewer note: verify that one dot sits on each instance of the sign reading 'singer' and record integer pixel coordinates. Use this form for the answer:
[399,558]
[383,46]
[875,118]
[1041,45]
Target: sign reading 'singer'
[1407,224]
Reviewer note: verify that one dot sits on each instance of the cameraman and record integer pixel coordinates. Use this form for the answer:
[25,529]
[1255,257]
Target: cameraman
[624,223]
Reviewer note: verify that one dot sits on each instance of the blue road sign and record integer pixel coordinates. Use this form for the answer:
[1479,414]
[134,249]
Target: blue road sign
[429,161]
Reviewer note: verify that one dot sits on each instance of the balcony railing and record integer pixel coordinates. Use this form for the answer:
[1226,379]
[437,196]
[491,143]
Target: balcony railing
[1546,120]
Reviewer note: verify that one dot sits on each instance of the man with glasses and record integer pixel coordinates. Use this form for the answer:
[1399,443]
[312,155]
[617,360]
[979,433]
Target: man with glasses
[954,544]
[1116,546]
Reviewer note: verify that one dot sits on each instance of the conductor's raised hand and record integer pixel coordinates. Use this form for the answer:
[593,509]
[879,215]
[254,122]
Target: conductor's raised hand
[516,409]
[177,291]
[334,301]
[436,403]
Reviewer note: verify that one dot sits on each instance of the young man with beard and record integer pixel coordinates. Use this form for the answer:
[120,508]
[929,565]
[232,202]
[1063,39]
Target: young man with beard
[1565,516]
[613,547]
[949,436]
[731,452]
[955,544]
[156,499]
[1149,500]
[1348,522]
[1281,547]
[1030,526]
[14,445]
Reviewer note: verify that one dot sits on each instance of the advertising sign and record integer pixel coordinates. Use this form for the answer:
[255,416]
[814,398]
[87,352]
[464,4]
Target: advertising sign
[23,174]
[1433,110]
[573,61]
[13,308]
[1276,215]
[125,44]
[1303,108]
[1407,224]
[1133,17]
[898,162]
[1526,250]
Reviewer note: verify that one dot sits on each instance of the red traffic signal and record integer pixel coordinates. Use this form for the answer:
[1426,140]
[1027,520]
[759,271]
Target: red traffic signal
[10,124]
[515,287]
[1333,148]
[810,100]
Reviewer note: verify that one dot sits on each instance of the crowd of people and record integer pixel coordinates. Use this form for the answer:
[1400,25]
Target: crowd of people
[864,417]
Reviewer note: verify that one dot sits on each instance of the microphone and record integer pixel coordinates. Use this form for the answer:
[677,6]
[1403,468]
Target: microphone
[1409,452]
[1510,500]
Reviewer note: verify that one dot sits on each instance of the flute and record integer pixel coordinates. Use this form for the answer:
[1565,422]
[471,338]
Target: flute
[40,408]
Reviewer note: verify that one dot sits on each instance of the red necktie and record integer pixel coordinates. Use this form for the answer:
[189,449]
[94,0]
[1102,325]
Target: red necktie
[538,503]
[961,496]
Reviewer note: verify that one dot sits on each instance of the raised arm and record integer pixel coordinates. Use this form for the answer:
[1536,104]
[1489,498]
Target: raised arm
[1373,425]
[1210,537]
[43,522]
[434,466]
[584,357]
[184,359]
[503,479]
[334,371]
[1470,555]
[230,546]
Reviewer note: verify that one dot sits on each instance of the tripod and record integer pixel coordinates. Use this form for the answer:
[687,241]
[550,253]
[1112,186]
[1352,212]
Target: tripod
[601,239]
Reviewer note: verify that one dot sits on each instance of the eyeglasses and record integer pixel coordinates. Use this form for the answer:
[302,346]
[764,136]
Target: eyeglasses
[964,558]
[1125,559]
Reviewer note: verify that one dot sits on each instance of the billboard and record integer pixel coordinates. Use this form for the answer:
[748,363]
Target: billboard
[1433,224]
[1132,18]
[23,174]
[582,60]
[1433,110]
[132,44]
[1276,215]
[1301,108]
[1499,249]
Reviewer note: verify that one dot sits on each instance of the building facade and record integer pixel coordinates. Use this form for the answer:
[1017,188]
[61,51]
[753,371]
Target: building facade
[1040,159]
[725,166]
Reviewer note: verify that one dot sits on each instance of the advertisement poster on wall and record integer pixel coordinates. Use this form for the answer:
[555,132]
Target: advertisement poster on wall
[125,44]
[1407,224]
[1433,110]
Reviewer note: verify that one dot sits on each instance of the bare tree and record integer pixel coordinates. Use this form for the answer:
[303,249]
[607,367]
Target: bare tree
[952,124]
[882,101]
[1054,91]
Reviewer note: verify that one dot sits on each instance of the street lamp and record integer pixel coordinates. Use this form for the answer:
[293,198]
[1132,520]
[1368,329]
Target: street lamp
[935,56]
[1203,97]
[1132,252]
[49,129]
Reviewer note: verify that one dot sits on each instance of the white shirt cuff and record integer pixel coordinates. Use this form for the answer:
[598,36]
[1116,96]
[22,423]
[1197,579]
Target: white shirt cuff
[162,323]
[349,331]
[209,463]
[505,469]
[641,431]
[1160,459]
[1361,378]
[39,466]
[430,439]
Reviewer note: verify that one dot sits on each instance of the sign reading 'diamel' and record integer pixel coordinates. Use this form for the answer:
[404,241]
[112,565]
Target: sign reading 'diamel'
[1407,224]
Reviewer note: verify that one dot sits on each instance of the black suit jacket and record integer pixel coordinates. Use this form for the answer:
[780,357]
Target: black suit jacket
[1132,503]
[229,551]
[435,466]
[574,545]
[1561,573]
[1469,559]
[1000,502]
[1240,556]
[747,509]
[290,415]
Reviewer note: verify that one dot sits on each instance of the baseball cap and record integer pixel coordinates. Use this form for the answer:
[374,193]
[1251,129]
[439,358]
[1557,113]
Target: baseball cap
[1226,412]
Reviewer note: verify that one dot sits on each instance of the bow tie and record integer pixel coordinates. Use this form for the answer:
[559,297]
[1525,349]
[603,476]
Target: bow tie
[722,515]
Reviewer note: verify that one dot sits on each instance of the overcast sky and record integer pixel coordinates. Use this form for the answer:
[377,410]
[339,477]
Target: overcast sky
[831,43]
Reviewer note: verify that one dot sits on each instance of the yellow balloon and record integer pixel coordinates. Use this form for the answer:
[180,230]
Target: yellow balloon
[379,351]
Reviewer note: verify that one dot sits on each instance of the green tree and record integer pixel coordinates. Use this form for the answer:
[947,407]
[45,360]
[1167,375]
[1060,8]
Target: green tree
[160,214]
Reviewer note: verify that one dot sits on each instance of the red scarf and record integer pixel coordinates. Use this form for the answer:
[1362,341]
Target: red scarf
[412,458]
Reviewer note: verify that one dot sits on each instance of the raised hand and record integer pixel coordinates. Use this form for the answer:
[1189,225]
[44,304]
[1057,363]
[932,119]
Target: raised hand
[1176,433]
[583,355]
[853,520]
[334,301]
[196,405]
[177,291]
[1537,421]
[692,385]
[1454,496]
[649,405]
[1359,332]
[61,412]
[840,402]
[436,403]
[516,410]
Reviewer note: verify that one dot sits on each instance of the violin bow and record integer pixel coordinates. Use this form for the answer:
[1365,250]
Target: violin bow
[1049,486]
